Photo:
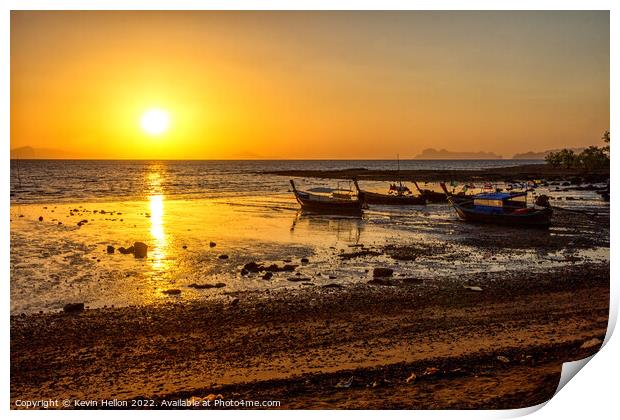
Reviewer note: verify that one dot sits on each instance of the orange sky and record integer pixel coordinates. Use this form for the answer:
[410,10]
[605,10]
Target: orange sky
[308,85]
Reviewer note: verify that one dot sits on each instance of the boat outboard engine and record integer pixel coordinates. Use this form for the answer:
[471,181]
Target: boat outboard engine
[542,201]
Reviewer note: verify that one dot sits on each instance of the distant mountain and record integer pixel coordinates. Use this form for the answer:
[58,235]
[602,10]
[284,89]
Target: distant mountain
[542,155]
[432,154]
[28,152]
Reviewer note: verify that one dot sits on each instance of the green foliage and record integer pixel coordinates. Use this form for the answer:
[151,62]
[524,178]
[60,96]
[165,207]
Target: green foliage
[592,158]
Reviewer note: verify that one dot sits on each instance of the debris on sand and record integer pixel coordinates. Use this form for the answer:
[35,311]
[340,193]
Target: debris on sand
[345,383]
[110,249]
[359,254]
[172,292]
[473,288]
[430,371]
[140,249]
[593,342]
[382,272]
[73,308]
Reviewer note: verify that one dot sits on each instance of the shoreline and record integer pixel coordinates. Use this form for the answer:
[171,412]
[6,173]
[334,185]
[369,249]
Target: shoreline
[296,346]
[518,172]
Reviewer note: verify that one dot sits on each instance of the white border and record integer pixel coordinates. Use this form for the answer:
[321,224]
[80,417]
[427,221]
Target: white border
[592,394]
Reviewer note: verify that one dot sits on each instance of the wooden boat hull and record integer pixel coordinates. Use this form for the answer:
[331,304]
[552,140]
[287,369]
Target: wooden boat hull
[537,218]
[323,207]
[310,204]
[393,200]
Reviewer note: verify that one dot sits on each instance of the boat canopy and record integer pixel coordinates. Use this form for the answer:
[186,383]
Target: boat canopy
[500,196]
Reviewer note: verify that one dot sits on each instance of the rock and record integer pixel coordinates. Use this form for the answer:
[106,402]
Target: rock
[244,272]
[172,292]
[305,260]
[140,249]
[382,272]
[223,257]
[212,244]
[593,342]
[207,286]
[503,359]
[73,308]
[40,218]
[184,247]
[268,275]
[411,378]
[473,288]
[345,383]
[81,222]
[252,267]
[110,249]
[298,279]
[234,302]
[412,280]
[333,286]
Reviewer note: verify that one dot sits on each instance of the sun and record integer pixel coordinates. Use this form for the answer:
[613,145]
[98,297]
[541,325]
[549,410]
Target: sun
[155,121]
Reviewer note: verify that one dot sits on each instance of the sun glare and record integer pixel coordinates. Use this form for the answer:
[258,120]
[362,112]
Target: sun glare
[155,121]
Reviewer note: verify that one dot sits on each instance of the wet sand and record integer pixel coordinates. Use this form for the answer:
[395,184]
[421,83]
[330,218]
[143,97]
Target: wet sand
[501,347]
[520,172]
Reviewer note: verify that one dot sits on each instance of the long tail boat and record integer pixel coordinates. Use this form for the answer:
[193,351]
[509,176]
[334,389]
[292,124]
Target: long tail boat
[401,196]
[503,208]
[334,204]
[430,195]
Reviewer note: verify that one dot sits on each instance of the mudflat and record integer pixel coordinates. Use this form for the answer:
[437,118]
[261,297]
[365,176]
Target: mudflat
[423,344]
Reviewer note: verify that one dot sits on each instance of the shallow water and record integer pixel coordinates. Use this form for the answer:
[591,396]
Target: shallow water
[52,263]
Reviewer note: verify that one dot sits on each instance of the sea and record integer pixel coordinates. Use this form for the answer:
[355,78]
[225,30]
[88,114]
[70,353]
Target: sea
[41,181]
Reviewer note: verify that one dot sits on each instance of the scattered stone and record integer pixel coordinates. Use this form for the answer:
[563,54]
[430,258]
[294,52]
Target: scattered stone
[40,218]
[73,308]
[333,286]
[140,249]
[358,254]
[207,286]
[268,275]
[503,359]
[252,267]
[172,292]
[212,244]
[298,279]
[411,378]
[305,260]
[184,246]
[473,288]
[412,280]
[382,272]
[234,302]
[244,272]
[125,251]
[110,249]
[593,342]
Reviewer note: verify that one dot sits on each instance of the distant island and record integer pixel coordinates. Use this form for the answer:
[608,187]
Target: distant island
[542,155]
[433,154]
[28,152]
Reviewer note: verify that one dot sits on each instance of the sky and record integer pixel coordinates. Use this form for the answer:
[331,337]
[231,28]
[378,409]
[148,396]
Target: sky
[307,85]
